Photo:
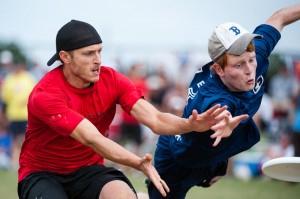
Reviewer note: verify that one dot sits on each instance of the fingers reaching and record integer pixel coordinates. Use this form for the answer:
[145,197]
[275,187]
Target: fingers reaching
[153,175]
[213,109]
[221,113]
[225,127]
[160,184]
[240,118]
[215,114]
[165,186]
[222,124]
[147,157]
[195,114]
[217,141]
[218,119]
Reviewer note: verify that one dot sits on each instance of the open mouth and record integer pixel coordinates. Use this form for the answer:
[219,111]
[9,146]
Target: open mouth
[95,71]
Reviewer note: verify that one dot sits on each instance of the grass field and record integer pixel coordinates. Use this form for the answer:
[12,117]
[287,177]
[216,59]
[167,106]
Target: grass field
[226,188]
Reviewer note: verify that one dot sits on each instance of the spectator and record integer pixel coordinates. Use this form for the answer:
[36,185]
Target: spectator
[296,122]
[15,91]
[5,141]
[281,88]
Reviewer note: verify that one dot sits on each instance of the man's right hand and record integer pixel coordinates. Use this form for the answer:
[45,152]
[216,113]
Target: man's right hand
[149,170]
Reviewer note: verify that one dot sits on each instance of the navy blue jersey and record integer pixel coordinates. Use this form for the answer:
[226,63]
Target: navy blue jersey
[195,149]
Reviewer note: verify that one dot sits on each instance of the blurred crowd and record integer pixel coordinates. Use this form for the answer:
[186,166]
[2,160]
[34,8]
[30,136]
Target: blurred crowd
[17,79]
[166,88]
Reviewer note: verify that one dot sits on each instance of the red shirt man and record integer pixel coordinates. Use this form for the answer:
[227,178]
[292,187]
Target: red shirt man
[56,108]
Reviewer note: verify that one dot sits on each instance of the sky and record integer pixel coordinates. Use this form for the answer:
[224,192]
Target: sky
[136,29]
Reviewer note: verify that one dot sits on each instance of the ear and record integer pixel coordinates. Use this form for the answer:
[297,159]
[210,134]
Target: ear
[65,57]
[218,69]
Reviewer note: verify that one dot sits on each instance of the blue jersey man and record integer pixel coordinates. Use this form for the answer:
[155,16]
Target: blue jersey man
[236,79]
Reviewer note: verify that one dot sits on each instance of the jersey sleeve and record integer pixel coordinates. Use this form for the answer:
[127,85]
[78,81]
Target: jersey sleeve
[265,46]
[129,93]
[53,109]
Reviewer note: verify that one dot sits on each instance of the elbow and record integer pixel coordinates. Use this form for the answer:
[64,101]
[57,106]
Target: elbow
[156,131]
[161,130]
[89,140]
[94,140]
[87,143]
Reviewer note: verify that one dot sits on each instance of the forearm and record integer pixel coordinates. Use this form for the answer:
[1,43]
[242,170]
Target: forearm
[169,124]
[115,152]
[159,122]
[87,134]
[284,17]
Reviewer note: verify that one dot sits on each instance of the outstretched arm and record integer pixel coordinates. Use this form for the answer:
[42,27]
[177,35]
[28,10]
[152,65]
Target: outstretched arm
[284,17]
[87,134]
[169,124]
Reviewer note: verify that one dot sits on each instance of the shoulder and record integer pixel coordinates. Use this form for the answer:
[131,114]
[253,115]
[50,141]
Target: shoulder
[110,74]
[50,84]
[108,70]
[52,75]
[265,46]
[200,76]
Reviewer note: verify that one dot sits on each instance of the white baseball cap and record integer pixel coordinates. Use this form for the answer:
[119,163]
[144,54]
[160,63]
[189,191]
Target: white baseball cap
[229,38]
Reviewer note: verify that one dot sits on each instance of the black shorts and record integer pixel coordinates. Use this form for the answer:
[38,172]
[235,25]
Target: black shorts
[85,183]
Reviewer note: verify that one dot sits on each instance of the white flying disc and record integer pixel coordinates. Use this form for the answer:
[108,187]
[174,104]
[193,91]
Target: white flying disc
[284,168]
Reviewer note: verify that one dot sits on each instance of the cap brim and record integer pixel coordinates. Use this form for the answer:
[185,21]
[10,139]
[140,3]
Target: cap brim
[53,59]
[240,45]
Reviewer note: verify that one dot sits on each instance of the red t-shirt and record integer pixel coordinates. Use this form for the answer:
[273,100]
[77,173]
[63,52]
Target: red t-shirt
[55,108]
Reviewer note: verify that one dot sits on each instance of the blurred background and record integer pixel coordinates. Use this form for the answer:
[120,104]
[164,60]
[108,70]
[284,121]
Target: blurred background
[158,45]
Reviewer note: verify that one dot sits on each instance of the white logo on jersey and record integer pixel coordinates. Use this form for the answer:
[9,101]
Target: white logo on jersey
[191,94]
[258,84]
[201,83]
[178,137]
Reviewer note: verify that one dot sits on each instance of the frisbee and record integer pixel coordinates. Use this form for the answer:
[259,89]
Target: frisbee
[283,168]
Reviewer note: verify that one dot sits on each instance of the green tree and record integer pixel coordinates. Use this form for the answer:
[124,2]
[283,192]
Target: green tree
[15,49]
